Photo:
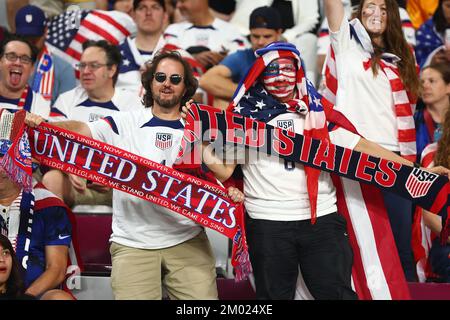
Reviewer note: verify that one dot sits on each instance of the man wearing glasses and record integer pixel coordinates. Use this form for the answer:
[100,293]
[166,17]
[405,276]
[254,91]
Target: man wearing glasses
[17,58]
[95,98]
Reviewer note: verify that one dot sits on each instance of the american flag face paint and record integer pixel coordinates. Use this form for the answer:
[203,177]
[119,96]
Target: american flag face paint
[279,77]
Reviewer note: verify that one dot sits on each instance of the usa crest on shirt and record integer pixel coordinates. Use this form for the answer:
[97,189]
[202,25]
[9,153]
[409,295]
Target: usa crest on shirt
[163,141]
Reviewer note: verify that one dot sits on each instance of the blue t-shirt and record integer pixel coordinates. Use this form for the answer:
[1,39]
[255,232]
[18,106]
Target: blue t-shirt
[51,227]
[239,63]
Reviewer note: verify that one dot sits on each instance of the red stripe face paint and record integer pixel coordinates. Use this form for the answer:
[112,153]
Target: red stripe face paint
[279,78]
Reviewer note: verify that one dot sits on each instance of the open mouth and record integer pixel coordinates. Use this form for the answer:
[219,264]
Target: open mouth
[15,76]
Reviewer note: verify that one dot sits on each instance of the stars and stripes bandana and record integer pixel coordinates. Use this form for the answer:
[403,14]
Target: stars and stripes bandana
[44,77]
[252,100]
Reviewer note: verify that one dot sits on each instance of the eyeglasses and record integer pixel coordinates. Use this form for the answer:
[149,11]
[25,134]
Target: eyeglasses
[174,78]
[91,65]
[12,56]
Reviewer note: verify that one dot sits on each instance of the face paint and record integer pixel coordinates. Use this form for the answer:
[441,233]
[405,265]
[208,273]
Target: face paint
[279,77]
[373,14]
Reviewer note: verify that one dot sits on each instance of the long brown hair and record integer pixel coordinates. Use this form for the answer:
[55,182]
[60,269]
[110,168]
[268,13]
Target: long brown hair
[15,286]
[190,81]
[442,157]
[394,42]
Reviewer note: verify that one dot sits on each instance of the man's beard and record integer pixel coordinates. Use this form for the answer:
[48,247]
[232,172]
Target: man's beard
[167,103]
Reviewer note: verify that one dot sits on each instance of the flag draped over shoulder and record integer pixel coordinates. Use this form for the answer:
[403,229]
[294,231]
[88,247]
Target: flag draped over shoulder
[252,100]
[68,31]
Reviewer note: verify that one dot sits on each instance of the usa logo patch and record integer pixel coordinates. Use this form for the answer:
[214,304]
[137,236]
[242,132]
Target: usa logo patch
[286,124]
[163,140]
[419,182]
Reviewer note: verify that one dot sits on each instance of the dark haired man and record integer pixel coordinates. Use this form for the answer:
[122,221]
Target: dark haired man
[17,58]
[95,98]
[151,244]
[149,16]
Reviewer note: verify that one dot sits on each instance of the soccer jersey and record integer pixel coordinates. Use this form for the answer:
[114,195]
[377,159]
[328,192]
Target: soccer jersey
[76,105]
[275,189]
[219,36]
[136,222]
[34,103]
[35,221]
[366,100]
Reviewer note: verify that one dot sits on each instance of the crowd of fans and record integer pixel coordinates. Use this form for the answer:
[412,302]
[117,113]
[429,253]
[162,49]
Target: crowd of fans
[219,40]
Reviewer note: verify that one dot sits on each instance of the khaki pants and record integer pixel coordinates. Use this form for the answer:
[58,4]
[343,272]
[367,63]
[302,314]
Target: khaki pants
[187,271]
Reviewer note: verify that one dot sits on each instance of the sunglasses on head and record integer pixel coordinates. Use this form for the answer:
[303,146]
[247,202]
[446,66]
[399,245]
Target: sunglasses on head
[174,78]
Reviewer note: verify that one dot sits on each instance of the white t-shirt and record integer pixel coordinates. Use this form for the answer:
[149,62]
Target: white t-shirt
[220,36]
[138,223]
[76,105]
[276,189]
[324,39]
[366,100]
[34,103]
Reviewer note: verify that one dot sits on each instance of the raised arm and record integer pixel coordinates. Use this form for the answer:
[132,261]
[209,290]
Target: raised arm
[334,11]
[34,120]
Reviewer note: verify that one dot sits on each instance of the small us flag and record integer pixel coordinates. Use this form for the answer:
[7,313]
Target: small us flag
[68,31]
[163,140]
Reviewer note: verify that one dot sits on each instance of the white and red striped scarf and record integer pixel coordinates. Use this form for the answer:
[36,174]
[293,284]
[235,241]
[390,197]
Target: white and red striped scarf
[44,77]
[404,104]
[376,266]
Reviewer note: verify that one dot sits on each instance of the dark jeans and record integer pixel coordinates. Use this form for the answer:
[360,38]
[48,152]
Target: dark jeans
[322,250]
[400,212]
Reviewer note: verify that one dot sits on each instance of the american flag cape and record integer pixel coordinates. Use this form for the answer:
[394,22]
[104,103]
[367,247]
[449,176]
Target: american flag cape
[364,204]
[68,31]
[377,272]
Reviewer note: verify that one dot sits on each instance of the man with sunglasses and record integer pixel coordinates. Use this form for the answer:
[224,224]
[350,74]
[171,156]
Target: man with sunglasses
[17,58]
[152,245]
[95,98]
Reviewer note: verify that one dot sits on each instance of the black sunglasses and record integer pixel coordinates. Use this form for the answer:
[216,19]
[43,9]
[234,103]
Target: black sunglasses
[174,78]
